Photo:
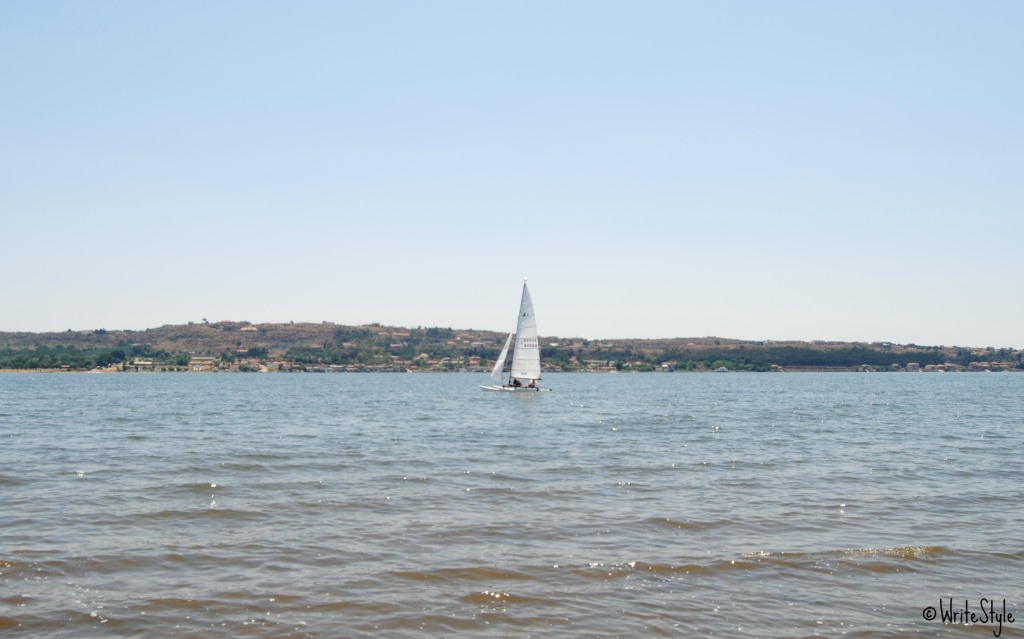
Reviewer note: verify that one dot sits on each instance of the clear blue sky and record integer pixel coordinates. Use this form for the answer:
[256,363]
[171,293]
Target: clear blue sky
[757,170]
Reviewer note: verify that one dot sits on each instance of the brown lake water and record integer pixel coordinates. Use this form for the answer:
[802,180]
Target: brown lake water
[359,505]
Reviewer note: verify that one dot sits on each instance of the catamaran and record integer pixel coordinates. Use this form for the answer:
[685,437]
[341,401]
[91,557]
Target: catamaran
[525,371]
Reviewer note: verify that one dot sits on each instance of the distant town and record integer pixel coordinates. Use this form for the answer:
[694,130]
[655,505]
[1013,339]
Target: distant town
[240,346]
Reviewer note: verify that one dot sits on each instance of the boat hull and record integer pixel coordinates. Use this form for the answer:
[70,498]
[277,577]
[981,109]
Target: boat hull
[515,389]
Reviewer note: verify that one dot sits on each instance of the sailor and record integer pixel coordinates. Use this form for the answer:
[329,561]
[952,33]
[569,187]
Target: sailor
[516,382]
[533,384]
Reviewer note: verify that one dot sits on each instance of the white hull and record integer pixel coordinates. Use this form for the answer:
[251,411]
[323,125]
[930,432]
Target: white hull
[515,389]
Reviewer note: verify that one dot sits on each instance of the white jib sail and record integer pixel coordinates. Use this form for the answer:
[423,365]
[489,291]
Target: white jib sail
[500,364]
[526,355]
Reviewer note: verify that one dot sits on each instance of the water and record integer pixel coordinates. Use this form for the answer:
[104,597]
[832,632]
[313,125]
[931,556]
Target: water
[736,505]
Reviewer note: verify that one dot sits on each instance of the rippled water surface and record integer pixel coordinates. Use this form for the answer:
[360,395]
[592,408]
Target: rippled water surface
[351,505]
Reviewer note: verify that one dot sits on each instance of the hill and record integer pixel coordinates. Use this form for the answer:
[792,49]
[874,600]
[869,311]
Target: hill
[231,345]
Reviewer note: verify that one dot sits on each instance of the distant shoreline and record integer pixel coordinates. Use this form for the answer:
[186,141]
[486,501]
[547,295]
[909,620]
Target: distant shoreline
[328,347]
[54,371]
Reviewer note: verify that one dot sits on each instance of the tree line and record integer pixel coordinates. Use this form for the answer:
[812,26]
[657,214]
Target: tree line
[361,347]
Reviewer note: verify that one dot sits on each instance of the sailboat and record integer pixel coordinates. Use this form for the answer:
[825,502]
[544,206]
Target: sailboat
[525,371]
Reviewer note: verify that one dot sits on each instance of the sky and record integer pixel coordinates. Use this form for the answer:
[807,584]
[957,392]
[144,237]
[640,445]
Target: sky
[756,170]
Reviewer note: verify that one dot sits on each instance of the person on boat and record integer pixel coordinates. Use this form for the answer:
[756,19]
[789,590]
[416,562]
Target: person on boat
[516,382]
[532,384]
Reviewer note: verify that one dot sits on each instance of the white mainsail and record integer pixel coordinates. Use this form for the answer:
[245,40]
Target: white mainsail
[526,355]
[500,364]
